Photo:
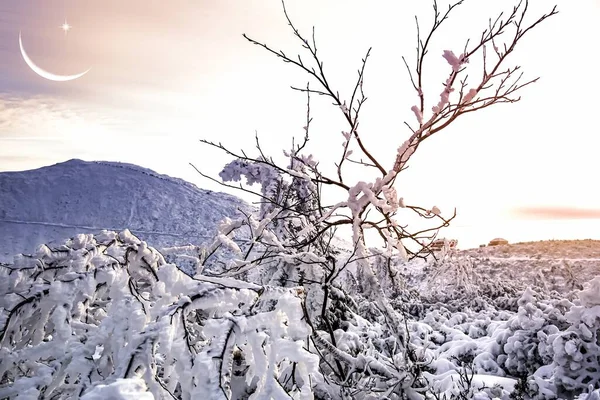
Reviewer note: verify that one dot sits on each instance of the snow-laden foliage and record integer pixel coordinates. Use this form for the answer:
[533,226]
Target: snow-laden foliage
[341,318]
[106,317]
[100,309]
[575,351]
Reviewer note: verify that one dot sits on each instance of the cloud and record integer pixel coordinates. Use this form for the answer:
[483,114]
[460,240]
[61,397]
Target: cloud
[19,113]
[557,213]
[41,130]
[47,117]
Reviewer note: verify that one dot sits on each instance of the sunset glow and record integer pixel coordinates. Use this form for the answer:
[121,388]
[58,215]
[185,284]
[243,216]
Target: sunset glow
[164,77]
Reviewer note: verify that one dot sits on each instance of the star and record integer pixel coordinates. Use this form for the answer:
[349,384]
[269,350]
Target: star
[65,27]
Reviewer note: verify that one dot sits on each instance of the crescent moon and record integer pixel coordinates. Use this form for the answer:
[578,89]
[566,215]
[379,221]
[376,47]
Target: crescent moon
[43,73]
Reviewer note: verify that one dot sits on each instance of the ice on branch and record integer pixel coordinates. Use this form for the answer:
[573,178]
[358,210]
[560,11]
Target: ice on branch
[347,137]
[391,196]
[309,160]
[227,242]
[455,62]
[356,202]
[444,97]
[405,151]
[590,296]
[469,96]
[418,114]
[344,108]
[254,172]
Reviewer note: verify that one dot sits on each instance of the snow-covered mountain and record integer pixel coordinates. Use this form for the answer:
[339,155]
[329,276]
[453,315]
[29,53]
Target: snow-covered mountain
[57,202]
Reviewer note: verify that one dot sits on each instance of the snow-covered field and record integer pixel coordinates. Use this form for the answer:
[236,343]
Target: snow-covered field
[107,316]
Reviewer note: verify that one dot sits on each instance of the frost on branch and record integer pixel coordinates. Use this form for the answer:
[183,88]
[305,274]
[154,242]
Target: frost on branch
[417,113]
[498,84]
[576,352]
[455,62]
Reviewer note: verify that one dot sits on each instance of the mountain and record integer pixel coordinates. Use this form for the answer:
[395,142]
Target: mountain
[57,202]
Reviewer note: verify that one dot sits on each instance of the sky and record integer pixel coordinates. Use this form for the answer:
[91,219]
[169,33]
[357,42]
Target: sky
[166,74]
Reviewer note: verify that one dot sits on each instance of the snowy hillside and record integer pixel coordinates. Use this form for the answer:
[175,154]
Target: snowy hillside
[571,249]
[561,265]
[57,202]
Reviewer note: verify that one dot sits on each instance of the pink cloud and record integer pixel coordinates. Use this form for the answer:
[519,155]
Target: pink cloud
[557,213]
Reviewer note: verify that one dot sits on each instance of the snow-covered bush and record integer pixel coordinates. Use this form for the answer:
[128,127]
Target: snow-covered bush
[592,394]
[100,309]
[452,278]
[524,340]
[575,351]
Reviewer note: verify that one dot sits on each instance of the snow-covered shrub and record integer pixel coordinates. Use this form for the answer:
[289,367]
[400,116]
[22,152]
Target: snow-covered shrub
[387,271]
[520,339]
[460,283]
[592,394]
[104,308]
[452,278]
[576,351]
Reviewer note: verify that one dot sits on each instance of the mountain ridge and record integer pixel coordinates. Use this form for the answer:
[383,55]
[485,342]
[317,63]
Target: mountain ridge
[56,202]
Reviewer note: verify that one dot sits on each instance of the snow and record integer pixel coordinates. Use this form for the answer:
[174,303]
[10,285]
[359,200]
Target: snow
[591,295]
[417,113]
[482,323]
[121,389]
[454,61]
